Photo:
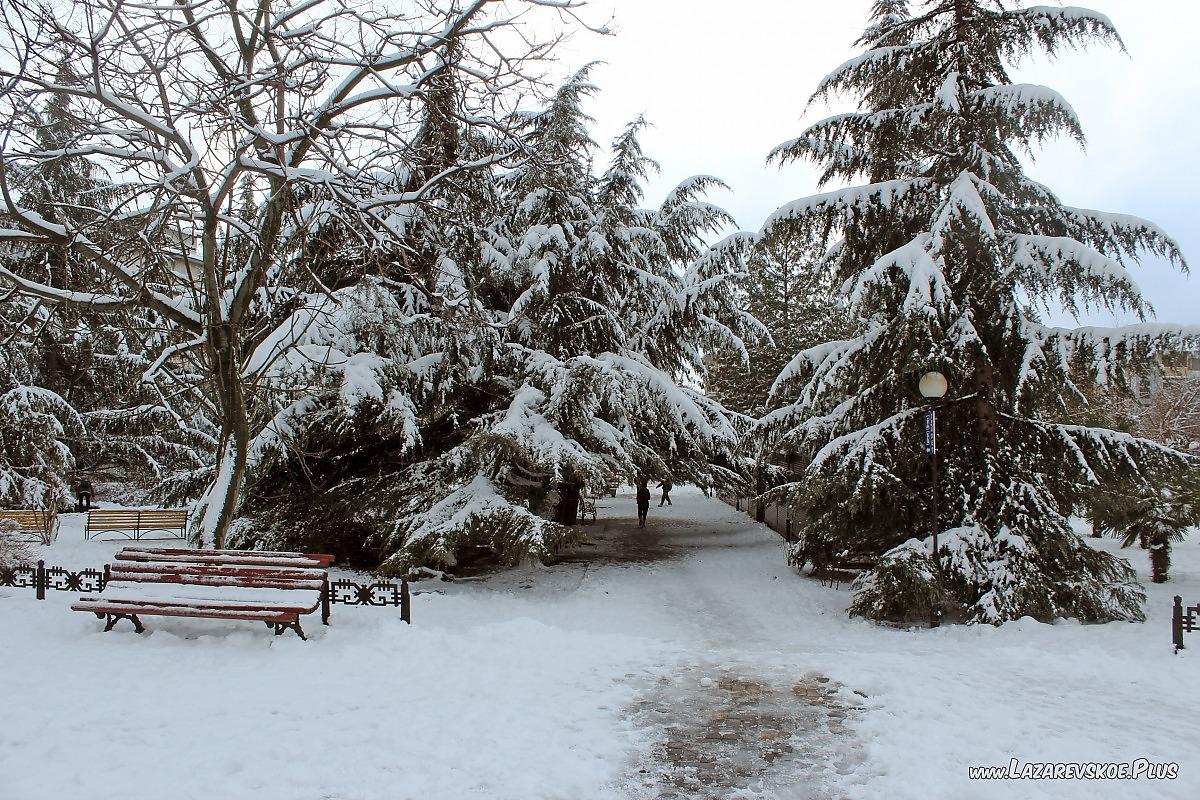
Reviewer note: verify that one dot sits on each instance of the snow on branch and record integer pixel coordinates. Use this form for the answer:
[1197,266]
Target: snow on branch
[927,290]
[842,207]
[1122,233]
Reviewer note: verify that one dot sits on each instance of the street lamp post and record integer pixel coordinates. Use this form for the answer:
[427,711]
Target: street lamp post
[933,387]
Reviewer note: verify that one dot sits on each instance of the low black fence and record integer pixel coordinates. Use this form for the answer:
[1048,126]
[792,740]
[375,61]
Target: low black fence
[349,593]
[1183,620]
[42,579]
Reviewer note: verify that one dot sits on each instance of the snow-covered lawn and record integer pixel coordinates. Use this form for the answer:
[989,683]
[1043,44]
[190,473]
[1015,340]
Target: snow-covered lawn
[542,683]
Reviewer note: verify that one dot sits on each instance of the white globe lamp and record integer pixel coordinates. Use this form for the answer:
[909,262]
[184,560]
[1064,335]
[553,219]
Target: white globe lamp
[933,385]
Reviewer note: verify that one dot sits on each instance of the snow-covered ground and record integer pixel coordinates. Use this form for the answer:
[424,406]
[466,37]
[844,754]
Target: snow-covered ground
[649,665]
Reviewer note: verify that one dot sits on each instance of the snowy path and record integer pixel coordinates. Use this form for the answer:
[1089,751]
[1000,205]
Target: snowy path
[688,662]
[726,717]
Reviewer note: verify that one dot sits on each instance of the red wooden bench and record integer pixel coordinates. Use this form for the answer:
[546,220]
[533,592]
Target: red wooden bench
[275,588]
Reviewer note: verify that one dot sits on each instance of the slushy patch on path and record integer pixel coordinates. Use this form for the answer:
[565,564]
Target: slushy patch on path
[728,731]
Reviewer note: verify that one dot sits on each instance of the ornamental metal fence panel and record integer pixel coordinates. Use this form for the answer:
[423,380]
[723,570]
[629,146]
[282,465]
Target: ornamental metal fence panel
[41,578]
[21,577]
[349,593]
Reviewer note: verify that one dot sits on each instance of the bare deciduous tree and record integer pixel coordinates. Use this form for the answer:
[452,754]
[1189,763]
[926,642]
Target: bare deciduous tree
[1170,415]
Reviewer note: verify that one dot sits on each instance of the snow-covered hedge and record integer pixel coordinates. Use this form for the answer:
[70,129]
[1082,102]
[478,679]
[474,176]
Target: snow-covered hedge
[993,578]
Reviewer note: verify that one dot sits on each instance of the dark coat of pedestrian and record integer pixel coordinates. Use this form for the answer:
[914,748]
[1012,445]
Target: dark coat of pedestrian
[83,494]
[666,486]
[643,503]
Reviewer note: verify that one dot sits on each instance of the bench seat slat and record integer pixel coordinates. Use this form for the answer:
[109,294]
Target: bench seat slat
[192,594]
[100,607]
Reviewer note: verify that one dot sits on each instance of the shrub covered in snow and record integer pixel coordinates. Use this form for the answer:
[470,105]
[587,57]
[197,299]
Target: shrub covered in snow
[904,586]
[14,551]
[985,578]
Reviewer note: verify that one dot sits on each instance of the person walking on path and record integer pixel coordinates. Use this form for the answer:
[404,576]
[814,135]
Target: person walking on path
[83,494]
[666,486]
[643,502]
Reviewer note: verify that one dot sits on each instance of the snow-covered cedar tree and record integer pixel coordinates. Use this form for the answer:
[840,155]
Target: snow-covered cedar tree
[538,331]
[951,257]
[35,425]
[787,289]
[91,359]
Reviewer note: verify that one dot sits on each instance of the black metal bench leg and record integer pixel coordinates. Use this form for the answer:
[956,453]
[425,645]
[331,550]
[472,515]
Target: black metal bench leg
[280,627]
[113,619]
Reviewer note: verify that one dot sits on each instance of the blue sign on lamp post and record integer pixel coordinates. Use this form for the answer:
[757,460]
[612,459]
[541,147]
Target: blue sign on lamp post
[933,387]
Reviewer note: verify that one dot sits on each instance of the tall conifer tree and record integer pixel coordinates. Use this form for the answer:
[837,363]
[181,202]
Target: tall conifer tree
[789,290]
[952,256]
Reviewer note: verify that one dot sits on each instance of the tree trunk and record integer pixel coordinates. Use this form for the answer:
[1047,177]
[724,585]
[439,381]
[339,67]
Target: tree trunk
[1160,558]
[233,454]
[568,503]
[985,410]
[760,486]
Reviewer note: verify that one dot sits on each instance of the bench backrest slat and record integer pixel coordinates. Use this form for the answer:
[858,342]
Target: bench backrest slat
[186,568]
[204,551]
[245,561]
[230,557]
[116,515]
[325,558]
[276,582]
[23,517]
[165,515]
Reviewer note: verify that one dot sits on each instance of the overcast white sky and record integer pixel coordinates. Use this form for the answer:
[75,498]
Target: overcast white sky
[724,82]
